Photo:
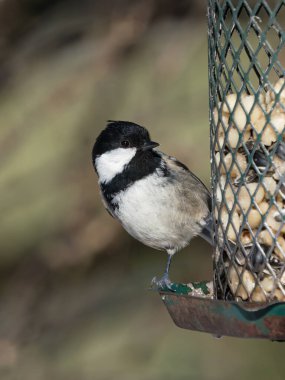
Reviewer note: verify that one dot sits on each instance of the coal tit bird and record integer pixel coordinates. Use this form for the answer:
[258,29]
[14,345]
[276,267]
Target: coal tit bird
[156,198]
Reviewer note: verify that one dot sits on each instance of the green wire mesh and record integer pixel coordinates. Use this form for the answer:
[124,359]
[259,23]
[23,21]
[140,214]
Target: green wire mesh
[247,118]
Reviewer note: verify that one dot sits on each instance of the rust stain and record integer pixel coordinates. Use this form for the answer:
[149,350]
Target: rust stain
[276,325]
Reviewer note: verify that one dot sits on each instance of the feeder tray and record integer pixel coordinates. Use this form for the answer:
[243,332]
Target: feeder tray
[224,318]
[247,126]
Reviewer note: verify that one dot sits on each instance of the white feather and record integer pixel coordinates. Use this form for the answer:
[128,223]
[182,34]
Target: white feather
[148,210]
[111,163]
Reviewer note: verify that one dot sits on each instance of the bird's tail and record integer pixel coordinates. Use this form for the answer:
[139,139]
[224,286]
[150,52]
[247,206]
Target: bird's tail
[207,232]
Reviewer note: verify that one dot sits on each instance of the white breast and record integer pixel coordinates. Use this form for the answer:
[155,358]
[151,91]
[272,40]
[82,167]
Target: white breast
[111,163]
[148,210]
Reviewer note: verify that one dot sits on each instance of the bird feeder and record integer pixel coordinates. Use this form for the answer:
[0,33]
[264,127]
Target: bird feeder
[247,124]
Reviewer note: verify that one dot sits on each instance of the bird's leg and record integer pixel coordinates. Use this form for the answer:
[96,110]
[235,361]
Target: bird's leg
[164,282]
[166,273]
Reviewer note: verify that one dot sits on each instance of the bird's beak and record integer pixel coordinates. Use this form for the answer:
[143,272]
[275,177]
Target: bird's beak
[149,145]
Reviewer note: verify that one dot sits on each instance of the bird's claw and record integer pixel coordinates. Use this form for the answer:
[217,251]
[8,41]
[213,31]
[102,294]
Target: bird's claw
[161,284]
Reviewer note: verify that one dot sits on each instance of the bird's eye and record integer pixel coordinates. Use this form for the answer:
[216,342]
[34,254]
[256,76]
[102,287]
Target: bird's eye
[125,143]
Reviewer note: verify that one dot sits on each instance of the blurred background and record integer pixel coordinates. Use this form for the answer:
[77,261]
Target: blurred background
[74,294]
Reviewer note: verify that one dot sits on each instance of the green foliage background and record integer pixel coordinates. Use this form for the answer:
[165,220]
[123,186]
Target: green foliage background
[74,293]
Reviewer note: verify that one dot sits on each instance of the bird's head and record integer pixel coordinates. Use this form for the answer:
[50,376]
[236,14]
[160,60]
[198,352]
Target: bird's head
[116,146]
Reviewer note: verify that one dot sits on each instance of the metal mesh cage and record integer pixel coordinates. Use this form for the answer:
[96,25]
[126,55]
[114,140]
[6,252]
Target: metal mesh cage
[247,116]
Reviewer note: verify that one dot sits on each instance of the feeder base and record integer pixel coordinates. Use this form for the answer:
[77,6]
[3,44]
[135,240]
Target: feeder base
[226,318]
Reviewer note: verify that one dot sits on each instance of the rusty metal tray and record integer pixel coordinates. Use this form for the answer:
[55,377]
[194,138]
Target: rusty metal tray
[225,318]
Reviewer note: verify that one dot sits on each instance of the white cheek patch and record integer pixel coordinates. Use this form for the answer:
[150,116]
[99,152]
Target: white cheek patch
[111,163]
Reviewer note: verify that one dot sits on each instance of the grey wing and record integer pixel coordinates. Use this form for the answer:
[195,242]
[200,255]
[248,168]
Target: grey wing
[183,169]
[200,201]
